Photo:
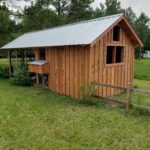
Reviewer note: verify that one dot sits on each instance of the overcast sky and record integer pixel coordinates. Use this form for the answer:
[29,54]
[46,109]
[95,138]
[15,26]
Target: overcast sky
[137,5]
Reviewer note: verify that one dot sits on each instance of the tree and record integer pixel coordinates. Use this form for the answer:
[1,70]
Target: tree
[99,11]
[80,10]
[113,7]
[39,17]
[4,21]
[142,28]
[130,15]
[61,6]
[8,28]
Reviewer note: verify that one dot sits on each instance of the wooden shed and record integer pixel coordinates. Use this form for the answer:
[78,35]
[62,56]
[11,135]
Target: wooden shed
[100,50]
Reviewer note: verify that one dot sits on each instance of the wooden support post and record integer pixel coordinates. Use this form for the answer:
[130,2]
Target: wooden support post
[37,79]
[16,55]
[22,56]
[140,52]
[129,92]
[10,64]
[25,53]
[43,81]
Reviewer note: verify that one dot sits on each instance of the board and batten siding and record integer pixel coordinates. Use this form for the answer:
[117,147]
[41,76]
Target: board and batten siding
[72,66]
[68,69]
[115,74]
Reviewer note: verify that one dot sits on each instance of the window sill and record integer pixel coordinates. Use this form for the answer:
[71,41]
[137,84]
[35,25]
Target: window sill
[116,64]
[116,44]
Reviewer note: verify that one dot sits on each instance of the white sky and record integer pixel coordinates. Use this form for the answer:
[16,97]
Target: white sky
[137,5]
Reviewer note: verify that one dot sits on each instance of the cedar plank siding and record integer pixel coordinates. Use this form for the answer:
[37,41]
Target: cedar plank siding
[71,66]
[116,74]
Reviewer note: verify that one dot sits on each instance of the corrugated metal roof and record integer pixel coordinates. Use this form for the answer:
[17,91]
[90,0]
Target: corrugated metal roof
[81,33]
[38,62]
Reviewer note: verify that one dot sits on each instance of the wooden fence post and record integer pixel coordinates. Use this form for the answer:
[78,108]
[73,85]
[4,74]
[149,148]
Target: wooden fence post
[37,79]
[129,92]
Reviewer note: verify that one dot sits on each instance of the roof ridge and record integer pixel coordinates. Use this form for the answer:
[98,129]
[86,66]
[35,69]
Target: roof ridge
[75,23]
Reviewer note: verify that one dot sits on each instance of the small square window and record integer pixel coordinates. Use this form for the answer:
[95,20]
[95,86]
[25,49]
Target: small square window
[114,54]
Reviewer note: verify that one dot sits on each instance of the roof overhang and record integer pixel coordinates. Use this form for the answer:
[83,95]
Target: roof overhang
[85,33]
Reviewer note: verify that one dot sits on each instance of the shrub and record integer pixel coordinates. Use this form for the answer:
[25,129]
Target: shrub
[135,86]
[21,76]
[87,98]
[4,71]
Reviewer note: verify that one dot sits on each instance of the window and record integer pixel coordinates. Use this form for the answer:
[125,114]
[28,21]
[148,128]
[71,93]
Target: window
[119,54]
[42,54]
[114,54]
[116,33]
[110,54]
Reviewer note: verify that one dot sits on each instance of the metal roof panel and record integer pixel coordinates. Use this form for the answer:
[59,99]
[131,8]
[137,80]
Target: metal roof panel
[81,33]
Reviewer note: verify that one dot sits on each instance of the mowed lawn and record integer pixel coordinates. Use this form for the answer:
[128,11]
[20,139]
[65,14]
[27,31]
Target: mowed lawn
[142,69]
[34,118]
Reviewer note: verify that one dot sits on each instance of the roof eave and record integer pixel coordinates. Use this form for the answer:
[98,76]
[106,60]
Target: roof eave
[23,48]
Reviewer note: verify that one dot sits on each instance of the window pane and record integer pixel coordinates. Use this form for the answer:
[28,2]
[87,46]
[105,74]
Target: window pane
[119,53]
[42,54]
[110,51]
[116,33]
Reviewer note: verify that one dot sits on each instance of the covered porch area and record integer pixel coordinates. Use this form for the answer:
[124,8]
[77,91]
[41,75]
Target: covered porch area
[37,66]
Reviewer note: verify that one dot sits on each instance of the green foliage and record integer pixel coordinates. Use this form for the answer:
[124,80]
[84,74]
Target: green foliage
[38,17]
[80,10]
[21,76]
[99,11]
[130,15]
[49,13]
[112,7]
[142,70]
[4,21]
[142,84]
[8,28]
[4,71]
[87,98]
[139,98]
[135,86]
[61,6]
[142,27]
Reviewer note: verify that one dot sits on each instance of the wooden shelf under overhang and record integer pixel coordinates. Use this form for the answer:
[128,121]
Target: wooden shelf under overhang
[39,67]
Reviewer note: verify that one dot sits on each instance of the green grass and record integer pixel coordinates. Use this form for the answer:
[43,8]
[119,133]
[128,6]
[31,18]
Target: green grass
[5,62]
[139,99]
[142,84]
[142,69]
[34,118]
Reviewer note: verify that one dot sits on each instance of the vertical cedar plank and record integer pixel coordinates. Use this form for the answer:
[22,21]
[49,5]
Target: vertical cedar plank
[72,72]
[104,62]
[101,66]
[91,64]
[83,66]
[76,75]
[63,71]
[86,68]
[67,71]
[56,70]
[96,64]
